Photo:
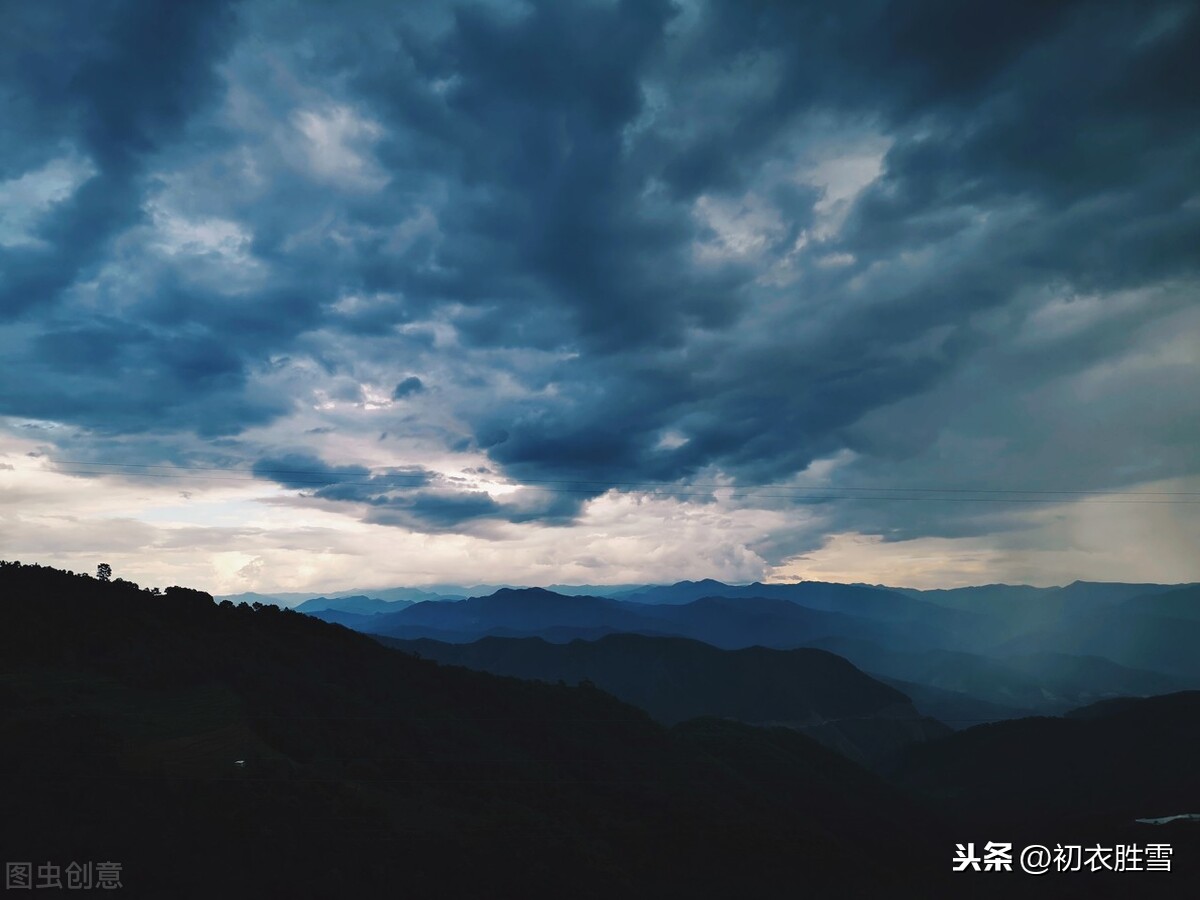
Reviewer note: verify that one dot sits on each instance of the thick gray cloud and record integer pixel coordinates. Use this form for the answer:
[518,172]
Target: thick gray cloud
[621,242]
[117,85]
[414,497]
[410,385]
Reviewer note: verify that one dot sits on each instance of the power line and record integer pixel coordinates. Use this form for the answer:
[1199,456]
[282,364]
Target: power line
[332,479]
[339,475]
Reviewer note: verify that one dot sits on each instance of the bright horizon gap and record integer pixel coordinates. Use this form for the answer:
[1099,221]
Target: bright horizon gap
[492,586]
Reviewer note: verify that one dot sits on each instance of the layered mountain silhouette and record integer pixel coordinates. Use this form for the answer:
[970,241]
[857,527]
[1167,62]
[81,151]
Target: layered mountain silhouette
[1001,597]
[725,622]
[1113,761]
[246,750]
[1041,682]
[1178,603]
[844,598]
[359,604]
[297,599]
[260,752]
[1126,635]
[977,654]
[675,679]
[294,599]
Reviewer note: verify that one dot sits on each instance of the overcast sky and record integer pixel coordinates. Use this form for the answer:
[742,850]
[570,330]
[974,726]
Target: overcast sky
[300,296]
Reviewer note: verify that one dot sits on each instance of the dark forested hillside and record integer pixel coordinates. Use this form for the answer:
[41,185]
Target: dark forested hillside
[1120,759]
[1042,682]
[676,679]
[245,751]
[366,771]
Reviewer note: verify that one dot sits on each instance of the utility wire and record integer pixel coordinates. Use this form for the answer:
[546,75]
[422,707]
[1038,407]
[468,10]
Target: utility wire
[343,474]
[317,479]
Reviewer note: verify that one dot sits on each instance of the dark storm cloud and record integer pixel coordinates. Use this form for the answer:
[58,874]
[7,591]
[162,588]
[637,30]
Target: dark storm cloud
[120,378]
[447,509]
[410,385]
[549,243]
[414,497]
[119,83]
[610,206]
[300,470]
[1033,107]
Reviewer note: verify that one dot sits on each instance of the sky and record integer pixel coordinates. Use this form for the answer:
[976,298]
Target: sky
[303,296]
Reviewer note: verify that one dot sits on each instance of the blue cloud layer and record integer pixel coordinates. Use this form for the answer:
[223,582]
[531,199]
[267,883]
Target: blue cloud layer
[614,242]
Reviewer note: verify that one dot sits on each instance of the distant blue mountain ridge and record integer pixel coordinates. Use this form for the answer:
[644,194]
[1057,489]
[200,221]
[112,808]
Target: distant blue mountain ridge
[969,654]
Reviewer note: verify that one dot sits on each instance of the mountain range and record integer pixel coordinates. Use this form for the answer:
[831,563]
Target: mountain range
[974,655]
[675,679]
[251,751]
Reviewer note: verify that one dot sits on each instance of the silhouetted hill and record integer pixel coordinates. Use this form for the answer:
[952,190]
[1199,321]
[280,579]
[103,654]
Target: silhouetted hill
[518,609]
[1128,634]
[1103,708]
[369,773]
[732,623]
[1078,678]
[998,598]
[286,599]
[953,708]
[404,594]
[852,599]
[1117,622]
[1034,649]
[675,679]
[1112,593]
[359,604]
[1010,618]
[594,590]
[1181,603]
[357,621]
[1115,761]
[295,599]
[729,623]
[1085,780]
[984,598]
[679,592]
[1041,682]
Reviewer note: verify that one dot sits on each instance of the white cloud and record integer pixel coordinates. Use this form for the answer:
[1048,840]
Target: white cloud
[671,440]
[835,260]
[742,229]
[337,146]
[842,172]
[26,199]
[177,235]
